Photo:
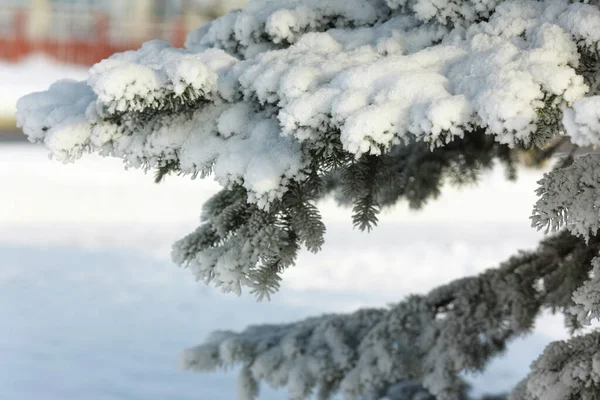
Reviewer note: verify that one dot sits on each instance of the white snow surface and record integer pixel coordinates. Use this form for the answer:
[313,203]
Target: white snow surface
[33,74]
[87,290]
[582,122]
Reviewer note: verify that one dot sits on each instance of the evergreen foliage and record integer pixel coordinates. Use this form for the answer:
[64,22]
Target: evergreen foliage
[374,102]
[430,339]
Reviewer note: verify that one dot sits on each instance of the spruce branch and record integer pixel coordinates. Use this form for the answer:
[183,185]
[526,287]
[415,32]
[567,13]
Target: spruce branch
[165,169]
[566,368]
[360,182]
[418,338]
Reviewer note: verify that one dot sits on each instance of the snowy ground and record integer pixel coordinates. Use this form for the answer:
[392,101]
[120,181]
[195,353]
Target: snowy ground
[91,306]
[33,74]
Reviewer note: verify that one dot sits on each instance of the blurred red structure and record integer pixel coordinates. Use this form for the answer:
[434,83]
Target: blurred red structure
[101,36]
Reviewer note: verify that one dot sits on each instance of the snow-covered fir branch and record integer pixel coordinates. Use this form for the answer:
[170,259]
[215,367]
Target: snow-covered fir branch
[566,370]
[239,244]
[375,102]
[430,338]
[569,197]
[266,98]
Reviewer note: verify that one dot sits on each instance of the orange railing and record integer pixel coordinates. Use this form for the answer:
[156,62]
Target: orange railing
[80,38]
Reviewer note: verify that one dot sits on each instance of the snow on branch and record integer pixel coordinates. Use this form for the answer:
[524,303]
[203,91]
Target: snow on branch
[286,93]
[587,297]
[582,121]
[239,244]
[267,25]
[428,338]
[393,79]
[570,197]
[566,370]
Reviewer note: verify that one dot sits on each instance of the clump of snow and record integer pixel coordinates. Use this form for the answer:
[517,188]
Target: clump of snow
[61,125]
[582,121]
[583,21]
[283,21]
[137,80]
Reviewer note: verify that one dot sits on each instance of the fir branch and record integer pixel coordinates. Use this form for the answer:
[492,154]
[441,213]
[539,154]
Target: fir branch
[360,182]
[428,330]
[364,213]
[165,169]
